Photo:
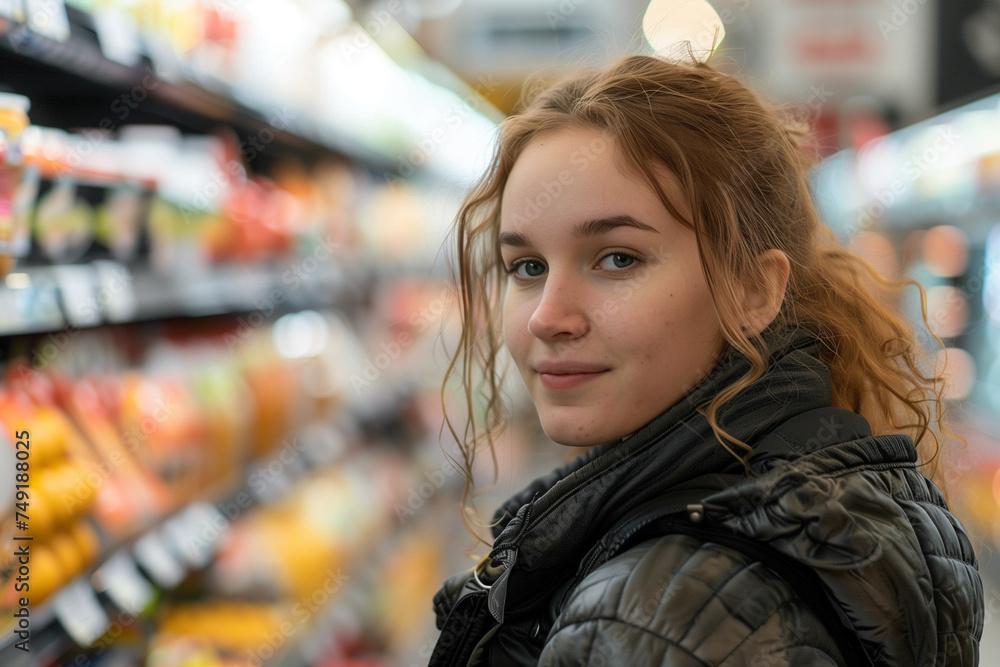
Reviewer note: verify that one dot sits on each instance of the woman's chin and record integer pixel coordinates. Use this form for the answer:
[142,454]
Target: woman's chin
[571,435]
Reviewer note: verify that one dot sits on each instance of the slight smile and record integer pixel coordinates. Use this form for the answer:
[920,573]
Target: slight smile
[567,380]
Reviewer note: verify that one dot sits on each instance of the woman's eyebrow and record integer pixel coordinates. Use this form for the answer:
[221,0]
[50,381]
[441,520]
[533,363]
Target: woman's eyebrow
[588,228]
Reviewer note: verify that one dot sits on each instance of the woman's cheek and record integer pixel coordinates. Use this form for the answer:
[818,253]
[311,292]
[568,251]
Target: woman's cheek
[514,326]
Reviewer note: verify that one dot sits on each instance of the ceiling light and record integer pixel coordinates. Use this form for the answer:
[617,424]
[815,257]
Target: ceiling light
[669,25]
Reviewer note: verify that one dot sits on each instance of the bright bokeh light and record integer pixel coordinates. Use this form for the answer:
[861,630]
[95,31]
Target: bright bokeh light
[669,24]
[877,249]
[300,335]
[947,310]
[946,251]
[959,371]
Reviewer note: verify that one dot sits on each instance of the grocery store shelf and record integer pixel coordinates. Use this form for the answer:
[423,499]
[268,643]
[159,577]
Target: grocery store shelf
[49,71]
[51,298]
[165,551]
[164,548]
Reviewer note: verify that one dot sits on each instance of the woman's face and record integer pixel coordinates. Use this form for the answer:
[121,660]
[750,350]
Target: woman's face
[607,312]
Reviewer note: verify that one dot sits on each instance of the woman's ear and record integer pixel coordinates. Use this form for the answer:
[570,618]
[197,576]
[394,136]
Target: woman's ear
[761,307]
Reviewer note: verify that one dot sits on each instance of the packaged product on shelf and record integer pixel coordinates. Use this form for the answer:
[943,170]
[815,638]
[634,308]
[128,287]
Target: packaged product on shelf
[338,188]
[396,223]
[169,429]
[406,583]
[72,476]
[292,177]
[261,216]
[16,181]
[119,220]
[273,390]
[222,629]
[64,222]
[58,498]
[148,496]
[224,396]
[191,411]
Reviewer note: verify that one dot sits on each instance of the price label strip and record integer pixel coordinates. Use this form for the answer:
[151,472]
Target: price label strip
[80,612]
[78,284]
[127,588]
[29,308]
[195,533]
[116,290]
[48,18]
[152,553]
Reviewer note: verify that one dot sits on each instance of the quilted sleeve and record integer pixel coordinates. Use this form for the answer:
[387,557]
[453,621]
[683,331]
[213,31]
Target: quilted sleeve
[676,601]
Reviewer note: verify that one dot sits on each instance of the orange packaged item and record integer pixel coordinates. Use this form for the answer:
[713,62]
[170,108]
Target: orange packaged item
[30,398]
[146,493]
[168,429]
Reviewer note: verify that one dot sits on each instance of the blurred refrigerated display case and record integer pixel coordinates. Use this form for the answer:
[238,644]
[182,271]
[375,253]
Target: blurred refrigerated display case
[924,203]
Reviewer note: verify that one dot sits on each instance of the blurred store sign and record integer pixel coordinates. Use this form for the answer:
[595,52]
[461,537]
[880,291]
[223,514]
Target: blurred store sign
[850,47]
[789,49]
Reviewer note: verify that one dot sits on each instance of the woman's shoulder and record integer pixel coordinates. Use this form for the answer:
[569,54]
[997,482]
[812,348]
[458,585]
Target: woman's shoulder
[679,599]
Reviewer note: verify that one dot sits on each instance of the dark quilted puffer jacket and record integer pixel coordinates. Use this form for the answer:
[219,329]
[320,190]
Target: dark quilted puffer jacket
[611,559]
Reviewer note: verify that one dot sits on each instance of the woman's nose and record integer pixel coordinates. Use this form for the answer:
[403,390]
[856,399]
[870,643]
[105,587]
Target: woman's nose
[561,310]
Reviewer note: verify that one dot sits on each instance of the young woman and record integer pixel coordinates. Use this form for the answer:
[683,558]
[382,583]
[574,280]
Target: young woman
[759,419]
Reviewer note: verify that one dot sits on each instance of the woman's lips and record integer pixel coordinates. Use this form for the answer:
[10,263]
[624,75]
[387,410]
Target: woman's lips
[567,380]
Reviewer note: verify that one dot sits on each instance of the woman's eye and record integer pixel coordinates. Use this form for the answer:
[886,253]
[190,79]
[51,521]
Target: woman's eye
[534,269]
[619,260]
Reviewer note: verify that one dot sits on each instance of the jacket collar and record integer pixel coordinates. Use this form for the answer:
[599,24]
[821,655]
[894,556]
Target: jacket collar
[551,523]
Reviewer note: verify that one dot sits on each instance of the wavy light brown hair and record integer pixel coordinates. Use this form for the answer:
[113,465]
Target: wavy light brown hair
[743,168]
